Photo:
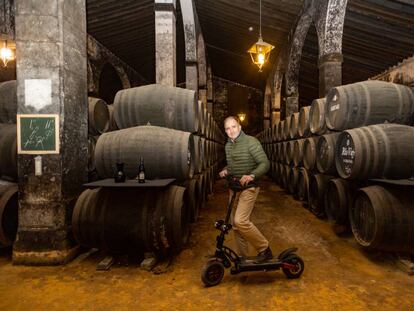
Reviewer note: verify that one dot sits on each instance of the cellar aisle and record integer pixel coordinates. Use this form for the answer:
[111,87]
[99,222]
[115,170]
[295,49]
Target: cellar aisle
[339,275]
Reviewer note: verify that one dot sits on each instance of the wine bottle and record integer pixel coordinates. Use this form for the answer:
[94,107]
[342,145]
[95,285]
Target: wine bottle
[120,175]
[141,170]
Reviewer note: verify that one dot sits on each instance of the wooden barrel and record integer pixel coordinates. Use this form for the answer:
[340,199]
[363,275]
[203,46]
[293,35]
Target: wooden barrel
[8,101]
[200,117]
[325,153]
[317,116]
[167,153]
[293,180]
[309,152]
[285,177]
[280,130]
[8,212]
[289,152]
[298,152]
[275,128]
[303,184]
[286,128]
[304,122]
[193,198]
[91,153]
[209,125]
[112,122]
[383,218]
[201,188]
[283,151]
[384,150]
[131,220]
[369,102]
[8,151]
[203,153]
[294,125]
[159,105]
[278,174]
[338,199]
[198,157]
[317,189]
[98,116]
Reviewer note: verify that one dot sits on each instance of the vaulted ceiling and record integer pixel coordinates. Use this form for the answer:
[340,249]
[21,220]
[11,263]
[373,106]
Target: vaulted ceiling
[377,35]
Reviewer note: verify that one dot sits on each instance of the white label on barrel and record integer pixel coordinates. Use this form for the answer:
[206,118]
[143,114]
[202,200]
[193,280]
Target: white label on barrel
[348,155]
[334,107]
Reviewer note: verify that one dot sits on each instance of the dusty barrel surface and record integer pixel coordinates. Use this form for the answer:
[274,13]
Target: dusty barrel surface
[317,116]
[98,116]
[286,128]
[131,220]
[317,188]
[8,212]
[309,152]
[383,150]
[8,150]
[112,122]
[325,153]
[303,184]
[294,125]
[280,129]
[159,105]
[338,199]
[167,153]
[304,122]
[8,101]
[383,218]
[293,180]
[198,156]
[369,102]
[298,152]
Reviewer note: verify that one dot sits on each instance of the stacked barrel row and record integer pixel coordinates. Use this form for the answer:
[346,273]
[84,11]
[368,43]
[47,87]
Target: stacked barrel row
[177,138]
[8,163]
[328,154]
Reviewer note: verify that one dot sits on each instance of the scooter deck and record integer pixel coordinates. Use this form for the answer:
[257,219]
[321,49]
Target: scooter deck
[248,264]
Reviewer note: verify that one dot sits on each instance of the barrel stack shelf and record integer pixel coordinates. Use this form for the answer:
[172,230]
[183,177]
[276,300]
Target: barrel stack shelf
[178,140]
[343,152]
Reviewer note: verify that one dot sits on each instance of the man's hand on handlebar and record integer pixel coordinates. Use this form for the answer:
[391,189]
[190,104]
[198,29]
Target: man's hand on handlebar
[245,179]
[223,173]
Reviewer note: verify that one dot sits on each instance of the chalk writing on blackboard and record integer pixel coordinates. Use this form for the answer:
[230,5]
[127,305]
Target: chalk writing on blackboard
[38,134]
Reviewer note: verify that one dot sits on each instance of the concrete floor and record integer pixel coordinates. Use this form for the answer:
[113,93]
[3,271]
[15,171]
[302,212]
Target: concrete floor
[339,275]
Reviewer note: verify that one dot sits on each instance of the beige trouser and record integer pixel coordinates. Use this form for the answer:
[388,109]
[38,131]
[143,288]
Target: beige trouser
[244,230]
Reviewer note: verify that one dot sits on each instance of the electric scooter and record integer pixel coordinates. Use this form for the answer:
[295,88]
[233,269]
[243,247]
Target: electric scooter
[213,271]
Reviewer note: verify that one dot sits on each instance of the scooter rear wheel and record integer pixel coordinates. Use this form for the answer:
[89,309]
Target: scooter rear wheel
[212,273]
[296,272]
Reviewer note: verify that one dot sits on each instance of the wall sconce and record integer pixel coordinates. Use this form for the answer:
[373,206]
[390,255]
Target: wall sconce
[241,116]
[260,51]
[6,54]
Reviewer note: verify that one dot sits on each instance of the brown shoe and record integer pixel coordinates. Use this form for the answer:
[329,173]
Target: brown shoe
[264,256]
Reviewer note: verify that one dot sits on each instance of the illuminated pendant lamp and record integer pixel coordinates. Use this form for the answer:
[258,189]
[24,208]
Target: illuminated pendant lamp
[260,51]
[6,54]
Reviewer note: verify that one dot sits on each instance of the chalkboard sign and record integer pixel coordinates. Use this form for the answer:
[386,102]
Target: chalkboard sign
[38,133]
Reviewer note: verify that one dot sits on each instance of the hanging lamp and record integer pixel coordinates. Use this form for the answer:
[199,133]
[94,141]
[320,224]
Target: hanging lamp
[260,51]
[6,54]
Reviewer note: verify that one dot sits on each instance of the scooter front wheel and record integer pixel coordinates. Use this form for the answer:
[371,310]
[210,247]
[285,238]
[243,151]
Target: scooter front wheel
[212,273]
[295,269]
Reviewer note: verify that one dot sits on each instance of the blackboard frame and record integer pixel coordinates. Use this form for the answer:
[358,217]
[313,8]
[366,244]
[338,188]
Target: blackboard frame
[46,150]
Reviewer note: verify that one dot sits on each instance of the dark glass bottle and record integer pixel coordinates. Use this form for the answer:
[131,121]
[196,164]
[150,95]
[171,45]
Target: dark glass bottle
[141,170]
[120,175]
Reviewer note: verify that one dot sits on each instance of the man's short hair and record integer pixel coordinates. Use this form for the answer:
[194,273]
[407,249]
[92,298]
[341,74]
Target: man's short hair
[232,118]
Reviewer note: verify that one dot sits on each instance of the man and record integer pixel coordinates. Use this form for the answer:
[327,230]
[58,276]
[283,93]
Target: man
[245,160]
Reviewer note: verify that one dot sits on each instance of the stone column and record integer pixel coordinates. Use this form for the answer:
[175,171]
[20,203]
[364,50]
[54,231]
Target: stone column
[165,42]
[330,72]
[51,54]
